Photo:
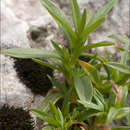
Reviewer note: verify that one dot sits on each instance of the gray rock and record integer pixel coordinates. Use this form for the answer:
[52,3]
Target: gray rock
[27,24]
[12,91]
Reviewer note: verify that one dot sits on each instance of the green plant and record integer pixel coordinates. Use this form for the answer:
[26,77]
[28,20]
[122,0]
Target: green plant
[91,98]
[12,118]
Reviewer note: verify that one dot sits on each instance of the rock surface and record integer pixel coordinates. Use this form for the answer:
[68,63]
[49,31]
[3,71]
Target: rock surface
[27,24]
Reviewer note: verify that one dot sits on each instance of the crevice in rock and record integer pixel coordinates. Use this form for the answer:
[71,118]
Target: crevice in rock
[12,118]
[33,75]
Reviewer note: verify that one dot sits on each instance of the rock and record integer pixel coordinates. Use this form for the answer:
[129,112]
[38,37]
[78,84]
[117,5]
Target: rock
[12,91]
[27,24]
[13,31]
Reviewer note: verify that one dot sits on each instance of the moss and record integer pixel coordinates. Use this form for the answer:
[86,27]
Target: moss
[12,118]
[33,75]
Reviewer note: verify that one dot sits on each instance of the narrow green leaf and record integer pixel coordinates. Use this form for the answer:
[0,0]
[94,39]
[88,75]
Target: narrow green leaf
[122,112]
[61,119]
[99,99]
[44,116]
[83,88]
[58,15]
[97,114]
[65,103]
[124,92]
[93,60]
[55,83]
[111,99]
[112,73]
[52,121]
[91,71]
[69,124]
[58,49]
[91,28]
[112,114]
[66,33]
[99,96]
[124,58]
[90,105]
[100,44]
[29,53]
[54,98]
[115,74]
[75,114]
[82,24]
[120,67]
[115,114]
[53,110]
[44,63]
[89,18]
[121,48]
[75,13]
[88,55]
[39,113]
[108,70]
[102,12]
[48,128]
[55,10]
[57,114]
[121,128]
[121,38]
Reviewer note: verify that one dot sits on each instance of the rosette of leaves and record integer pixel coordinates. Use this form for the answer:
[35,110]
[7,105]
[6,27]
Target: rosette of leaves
[12,118]
[33,75]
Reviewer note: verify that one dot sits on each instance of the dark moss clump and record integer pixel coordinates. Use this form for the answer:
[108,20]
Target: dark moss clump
[12,118]
[33,75]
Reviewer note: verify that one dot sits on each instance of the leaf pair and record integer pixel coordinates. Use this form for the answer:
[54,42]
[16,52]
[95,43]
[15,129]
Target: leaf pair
[55,118]
[97,19]
[45,117]
[29,53]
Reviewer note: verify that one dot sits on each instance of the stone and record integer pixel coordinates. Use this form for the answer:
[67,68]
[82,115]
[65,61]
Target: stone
[27,24]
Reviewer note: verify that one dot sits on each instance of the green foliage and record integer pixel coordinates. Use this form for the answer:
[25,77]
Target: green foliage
[76,14]
[91,71]
[84,87]
[53,98]
[102,12]
[89,97]
[29,53]
[120,67]
[121,128]
[121,38]
[55,118]
[100,44]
